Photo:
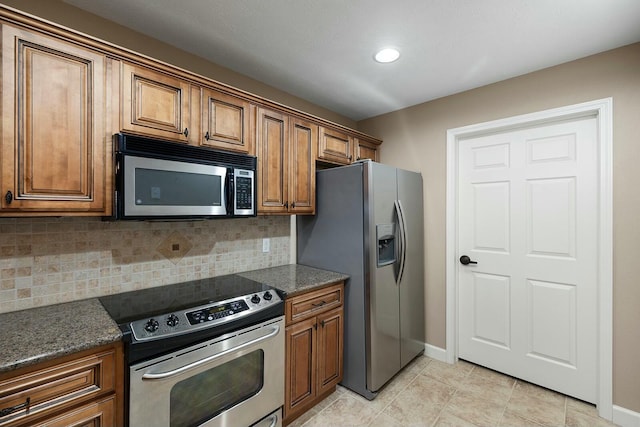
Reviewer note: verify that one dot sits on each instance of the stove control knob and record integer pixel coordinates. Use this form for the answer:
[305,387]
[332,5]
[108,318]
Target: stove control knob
[267,296]
[255,299]
[172,320]
[152,325]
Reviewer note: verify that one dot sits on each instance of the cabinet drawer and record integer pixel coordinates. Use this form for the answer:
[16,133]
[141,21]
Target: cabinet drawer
[311,303]
[57,387]
[95,414]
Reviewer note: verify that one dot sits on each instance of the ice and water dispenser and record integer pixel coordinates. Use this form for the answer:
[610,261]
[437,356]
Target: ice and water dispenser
[385,237]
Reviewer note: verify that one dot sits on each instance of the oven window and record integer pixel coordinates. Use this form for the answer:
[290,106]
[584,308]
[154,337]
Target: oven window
[207,394]
[167,188]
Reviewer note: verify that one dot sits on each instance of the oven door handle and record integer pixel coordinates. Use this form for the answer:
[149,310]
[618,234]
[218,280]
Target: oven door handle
[164,375]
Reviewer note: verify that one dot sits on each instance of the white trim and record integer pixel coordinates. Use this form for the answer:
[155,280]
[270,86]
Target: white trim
[434,352]
[625,417]
[602,109]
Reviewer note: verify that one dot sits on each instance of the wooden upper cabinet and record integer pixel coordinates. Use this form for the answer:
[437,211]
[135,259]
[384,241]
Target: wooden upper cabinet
[335,146]
[302,187]
[272,145]
[286,151]
[226,122]
[54,141]
[155,104]
[366,150]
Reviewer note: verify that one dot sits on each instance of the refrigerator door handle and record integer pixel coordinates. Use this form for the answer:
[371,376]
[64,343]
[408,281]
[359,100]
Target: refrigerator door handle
[403,239]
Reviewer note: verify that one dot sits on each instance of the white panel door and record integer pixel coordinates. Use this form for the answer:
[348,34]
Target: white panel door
[528,217]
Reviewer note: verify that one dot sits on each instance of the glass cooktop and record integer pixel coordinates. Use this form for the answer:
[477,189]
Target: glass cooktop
[135,305]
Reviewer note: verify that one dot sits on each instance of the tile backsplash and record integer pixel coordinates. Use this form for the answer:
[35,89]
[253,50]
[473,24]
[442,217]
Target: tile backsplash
[46,261]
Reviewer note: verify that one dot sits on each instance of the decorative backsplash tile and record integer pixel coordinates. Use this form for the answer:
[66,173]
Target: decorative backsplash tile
[46,261]
[174,247]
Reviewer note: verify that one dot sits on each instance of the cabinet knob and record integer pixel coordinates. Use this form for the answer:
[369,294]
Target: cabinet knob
[206,136]
[186,132]
[286,204]
[8,197]
[293,205]
[350,157]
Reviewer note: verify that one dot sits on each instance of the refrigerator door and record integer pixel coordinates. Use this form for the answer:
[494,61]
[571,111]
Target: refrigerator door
[411,287]
[383,354]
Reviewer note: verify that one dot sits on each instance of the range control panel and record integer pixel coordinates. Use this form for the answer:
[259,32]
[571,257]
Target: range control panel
[204,316]
[216,312]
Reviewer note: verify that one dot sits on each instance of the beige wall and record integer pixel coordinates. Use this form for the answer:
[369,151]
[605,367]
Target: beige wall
[71,17]
[415,138]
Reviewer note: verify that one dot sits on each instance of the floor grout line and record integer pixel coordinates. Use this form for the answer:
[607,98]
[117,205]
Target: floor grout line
[449,376]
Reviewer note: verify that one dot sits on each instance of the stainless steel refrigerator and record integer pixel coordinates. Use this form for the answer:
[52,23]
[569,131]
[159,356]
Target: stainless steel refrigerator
[369,225]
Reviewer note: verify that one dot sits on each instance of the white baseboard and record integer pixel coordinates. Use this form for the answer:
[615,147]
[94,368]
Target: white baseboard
[434,352]
[625,417]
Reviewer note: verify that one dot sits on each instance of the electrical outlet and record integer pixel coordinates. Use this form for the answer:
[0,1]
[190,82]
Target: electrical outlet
[266,243]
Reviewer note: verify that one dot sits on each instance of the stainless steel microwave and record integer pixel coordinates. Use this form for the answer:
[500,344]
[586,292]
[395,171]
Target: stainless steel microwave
[165,180]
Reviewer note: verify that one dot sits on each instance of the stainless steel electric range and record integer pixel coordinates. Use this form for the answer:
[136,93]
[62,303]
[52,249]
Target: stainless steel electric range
[203,353]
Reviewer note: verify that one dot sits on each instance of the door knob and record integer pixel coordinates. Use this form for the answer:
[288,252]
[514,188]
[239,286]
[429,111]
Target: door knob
[466,260]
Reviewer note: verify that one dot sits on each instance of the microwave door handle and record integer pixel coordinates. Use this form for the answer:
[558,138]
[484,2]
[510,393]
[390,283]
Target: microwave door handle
[230,191]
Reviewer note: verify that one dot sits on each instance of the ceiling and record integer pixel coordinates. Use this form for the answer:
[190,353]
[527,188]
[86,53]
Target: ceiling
[322,50]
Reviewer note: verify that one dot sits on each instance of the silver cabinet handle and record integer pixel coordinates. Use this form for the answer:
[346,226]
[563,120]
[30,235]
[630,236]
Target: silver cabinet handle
[163,375]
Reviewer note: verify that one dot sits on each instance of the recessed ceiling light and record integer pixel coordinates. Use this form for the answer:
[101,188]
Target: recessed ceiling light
[387,55]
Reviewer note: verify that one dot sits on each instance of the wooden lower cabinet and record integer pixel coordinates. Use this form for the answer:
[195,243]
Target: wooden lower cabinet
[97,414]
[82,389]
[314,348]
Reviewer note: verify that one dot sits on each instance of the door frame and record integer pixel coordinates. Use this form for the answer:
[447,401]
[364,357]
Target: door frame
[602,110]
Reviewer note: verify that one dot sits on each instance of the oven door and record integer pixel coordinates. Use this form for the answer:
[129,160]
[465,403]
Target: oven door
[162,188]
[233,380]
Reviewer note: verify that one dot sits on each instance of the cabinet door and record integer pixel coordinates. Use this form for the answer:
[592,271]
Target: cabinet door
[330,333]
[155,104]
[225,122]
[273,161]
[302,188]
[300,365]
[53,127]
[366,150]
[99,414]
[335,146]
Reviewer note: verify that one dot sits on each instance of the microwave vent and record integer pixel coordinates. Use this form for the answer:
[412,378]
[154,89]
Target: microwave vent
[136,145]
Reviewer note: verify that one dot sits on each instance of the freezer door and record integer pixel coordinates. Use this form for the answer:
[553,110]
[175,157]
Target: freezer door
[411,287]
[384,323]
[333,239]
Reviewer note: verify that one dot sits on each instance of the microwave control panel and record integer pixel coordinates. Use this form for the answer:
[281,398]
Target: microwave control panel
[243,192]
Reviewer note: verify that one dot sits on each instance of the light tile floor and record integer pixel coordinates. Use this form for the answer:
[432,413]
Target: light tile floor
[432,393]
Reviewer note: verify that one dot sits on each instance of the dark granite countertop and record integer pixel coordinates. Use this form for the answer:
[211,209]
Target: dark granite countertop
[295,278]
[44,333]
